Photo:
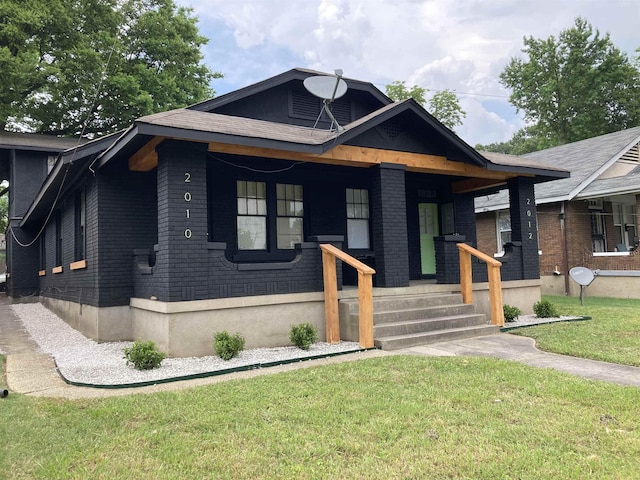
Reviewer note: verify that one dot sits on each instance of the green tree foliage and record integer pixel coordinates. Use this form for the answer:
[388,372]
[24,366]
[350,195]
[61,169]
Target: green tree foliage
[573,87]
[444,105]
[53,55]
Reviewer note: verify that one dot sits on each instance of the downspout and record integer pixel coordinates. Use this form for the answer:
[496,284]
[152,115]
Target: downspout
[565,248]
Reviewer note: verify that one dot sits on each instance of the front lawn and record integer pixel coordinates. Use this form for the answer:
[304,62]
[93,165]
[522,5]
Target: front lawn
[612,335]
[386,418]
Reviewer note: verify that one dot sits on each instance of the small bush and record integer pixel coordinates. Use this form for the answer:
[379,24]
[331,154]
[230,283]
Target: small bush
[143,355]
[303,335]
[545,309]
[510,313]
[228,346]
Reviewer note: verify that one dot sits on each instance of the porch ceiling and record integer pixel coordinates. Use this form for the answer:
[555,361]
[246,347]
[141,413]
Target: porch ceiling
[146,159]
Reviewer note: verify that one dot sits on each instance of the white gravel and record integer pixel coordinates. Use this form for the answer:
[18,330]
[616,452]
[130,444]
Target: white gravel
[529,320]
[82,360]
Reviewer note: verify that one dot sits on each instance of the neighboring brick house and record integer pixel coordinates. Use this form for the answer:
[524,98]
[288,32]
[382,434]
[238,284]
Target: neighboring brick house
[211,216]
[590,219]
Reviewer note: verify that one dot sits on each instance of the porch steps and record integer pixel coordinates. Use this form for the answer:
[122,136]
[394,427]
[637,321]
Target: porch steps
[403,321]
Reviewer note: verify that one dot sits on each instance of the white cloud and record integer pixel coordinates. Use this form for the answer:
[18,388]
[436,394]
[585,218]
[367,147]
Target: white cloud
[461,45]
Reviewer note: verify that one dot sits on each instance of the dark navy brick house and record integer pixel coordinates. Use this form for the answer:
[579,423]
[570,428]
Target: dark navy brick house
[210,217]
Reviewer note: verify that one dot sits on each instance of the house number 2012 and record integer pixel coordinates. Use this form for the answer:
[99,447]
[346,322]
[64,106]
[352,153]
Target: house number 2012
[529,213]
[187,198]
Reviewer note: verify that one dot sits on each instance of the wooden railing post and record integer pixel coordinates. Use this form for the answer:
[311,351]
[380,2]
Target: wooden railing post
[331,297]
[365,295]
[365,309]
[466,281]
[495,283]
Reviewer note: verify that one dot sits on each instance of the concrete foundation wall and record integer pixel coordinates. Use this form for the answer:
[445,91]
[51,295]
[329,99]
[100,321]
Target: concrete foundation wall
[517,293]
[184,329]
[105,324]
[614,287]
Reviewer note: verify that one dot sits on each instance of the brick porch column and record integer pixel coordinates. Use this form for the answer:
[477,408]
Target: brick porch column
[524,228]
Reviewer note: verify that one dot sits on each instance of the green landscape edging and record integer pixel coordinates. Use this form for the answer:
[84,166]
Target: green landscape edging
[215,373]
[515,327]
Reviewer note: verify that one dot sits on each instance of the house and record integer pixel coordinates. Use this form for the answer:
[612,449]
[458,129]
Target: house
[210,217]
[589,219]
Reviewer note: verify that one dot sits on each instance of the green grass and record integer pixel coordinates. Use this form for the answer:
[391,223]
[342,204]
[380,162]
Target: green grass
[392,417]
[612,335]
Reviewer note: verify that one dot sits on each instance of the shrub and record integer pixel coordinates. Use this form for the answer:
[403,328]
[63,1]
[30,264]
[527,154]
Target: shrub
[143,355]
[510,313]
[303,335]
[228,346]
[545,309]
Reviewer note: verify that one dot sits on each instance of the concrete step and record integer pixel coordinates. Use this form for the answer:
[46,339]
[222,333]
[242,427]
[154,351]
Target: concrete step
[408,327]
[398,342]
[401,302]
[380,317]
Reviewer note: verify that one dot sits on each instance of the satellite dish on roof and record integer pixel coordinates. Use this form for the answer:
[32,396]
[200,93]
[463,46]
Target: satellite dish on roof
[328,89]
[583,277]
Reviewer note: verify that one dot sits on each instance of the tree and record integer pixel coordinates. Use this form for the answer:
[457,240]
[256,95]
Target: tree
[574,87]
[103,62]
[443,105]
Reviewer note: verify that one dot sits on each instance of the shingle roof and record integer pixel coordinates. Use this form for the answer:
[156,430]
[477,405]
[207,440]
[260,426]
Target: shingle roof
[36,141]
[585,160]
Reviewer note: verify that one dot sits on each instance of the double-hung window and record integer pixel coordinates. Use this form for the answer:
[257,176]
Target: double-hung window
[290,215]
[269,218]
[358,218]
[624,224]
[503,221]
[80,225]
[252,215]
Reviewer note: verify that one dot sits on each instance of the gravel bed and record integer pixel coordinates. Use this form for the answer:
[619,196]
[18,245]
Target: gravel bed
[82,360]
[530,320]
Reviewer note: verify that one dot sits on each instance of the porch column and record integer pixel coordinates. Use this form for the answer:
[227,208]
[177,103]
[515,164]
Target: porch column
[182,221]
[389,225]
[524,228]
[465,217]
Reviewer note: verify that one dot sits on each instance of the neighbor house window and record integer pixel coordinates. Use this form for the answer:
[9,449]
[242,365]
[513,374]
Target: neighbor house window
[598,239]
[624,224]
[252,215]
[503,227]
[357,218]
[290,212]
[80,225]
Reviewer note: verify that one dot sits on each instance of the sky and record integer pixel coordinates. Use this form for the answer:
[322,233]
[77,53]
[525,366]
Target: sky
[460,45]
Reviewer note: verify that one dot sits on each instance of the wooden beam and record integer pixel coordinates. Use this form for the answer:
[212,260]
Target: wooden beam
[366,157]
[473,184]
[146,158]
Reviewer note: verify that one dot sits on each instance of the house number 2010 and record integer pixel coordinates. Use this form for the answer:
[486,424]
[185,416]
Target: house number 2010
[187,198]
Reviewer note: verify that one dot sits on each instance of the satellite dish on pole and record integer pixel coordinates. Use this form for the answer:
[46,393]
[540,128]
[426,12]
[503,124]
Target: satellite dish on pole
[583,277]
[328,89]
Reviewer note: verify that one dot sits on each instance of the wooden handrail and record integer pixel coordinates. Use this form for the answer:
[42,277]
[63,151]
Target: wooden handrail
[365,295]
[495,283]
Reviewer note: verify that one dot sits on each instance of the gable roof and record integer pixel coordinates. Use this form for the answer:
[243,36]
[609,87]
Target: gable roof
[586,160]
[285,77]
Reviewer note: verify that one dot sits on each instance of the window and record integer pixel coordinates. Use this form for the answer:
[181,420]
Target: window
[80,225]
[252,215]
[503,220]
[624,224]
[58,238]
[357,218]
[290,215]
[598,239]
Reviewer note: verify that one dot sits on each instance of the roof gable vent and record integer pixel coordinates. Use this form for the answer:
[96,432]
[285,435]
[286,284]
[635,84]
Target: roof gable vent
[633,154]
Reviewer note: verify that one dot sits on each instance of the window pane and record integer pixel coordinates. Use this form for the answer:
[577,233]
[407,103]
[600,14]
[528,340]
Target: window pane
[242,188]
[252,233]
[242,206]
[282,208]
[356,196]
[252,206]
[290,193]
[364,196]
[262,207]
[289,232]
[351,210]
[251,189]
[358,233]
[365,210]
[298,192]
[349,195]
[280,191]
[261,190]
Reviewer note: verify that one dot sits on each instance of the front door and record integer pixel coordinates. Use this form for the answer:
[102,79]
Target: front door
[428,217]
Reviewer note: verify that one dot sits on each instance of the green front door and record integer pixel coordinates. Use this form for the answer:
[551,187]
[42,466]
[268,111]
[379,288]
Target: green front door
[428,217]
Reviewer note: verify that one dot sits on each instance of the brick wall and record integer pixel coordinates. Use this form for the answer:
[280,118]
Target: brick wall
[550,239]
[486,235]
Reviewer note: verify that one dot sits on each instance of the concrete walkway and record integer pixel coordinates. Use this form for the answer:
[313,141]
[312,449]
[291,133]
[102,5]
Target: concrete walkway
[33,373]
